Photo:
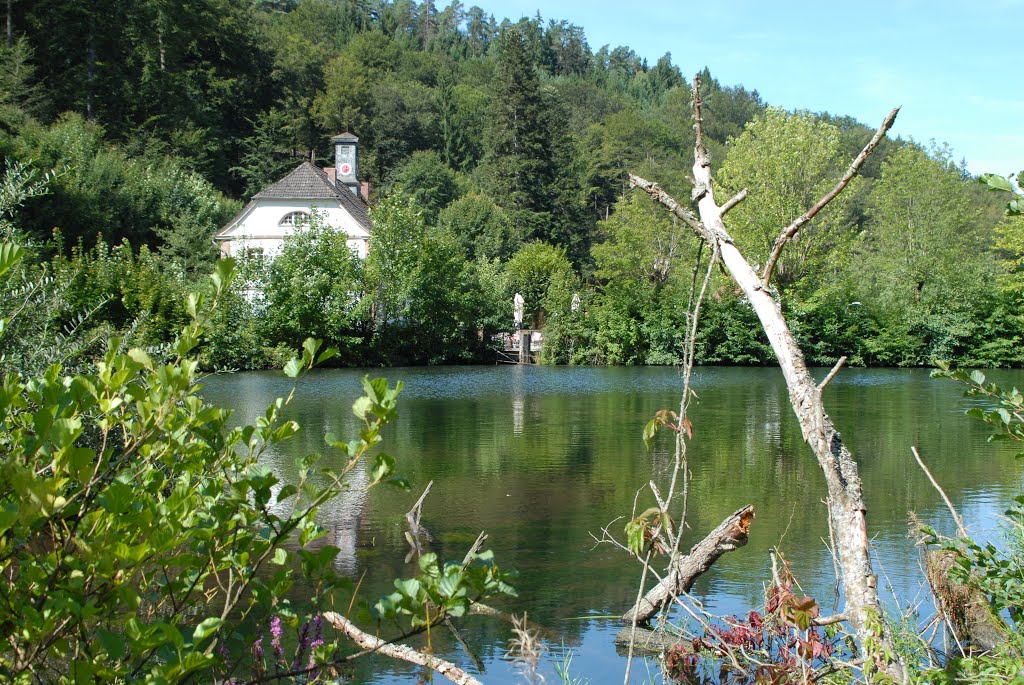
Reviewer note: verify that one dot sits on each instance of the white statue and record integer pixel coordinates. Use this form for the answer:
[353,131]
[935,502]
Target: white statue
[517,310]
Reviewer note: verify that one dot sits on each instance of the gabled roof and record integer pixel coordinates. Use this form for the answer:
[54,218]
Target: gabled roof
[307,182]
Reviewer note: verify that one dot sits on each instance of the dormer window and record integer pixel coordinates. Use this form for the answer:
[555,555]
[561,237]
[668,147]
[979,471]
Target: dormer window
[294,219]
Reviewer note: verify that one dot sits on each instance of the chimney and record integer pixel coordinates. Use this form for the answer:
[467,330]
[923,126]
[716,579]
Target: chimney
[364,190]
[346,162]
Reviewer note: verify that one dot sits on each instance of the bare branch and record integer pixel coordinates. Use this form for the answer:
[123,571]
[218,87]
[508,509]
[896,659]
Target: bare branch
[961,531]
[477,544]
[701,150]
[402,652]
[417,536]
[799,222]
[414,514]
[734,200]
[669,202]
[829,620]
[832,374]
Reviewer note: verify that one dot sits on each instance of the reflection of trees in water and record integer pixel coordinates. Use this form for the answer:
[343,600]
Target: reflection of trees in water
[540,468]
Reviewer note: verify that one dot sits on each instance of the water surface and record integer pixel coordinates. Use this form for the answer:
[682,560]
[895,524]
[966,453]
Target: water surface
[543,458]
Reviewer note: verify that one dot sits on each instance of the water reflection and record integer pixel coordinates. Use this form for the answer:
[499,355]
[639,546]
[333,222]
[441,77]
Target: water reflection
[541,458]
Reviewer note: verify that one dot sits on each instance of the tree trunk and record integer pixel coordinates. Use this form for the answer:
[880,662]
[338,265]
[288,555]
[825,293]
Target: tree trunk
[845,501]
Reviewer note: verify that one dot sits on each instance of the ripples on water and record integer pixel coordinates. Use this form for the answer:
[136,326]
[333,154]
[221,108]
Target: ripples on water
[542,458]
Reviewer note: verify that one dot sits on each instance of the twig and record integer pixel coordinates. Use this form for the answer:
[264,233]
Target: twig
[465,645]
[417,533]
[775,566]
[832,374]
[402,652]
[633,618]
[480,539]
[829,620]
[414,514]
[734,200]
[961,531]
[729,535]
[799,222]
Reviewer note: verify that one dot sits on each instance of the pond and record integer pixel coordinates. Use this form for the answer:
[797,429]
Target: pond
[541,458]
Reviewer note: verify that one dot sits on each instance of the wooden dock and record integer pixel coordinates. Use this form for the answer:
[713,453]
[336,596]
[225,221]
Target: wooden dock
[520,347]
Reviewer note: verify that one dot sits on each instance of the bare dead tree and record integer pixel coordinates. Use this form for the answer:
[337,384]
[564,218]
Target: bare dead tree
[845,500]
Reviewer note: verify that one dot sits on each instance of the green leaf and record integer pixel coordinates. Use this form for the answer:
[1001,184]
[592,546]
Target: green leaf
[112,643]
[208,627]
[410,588]
[329,353]
[428,563]
[223,274]
[996,182]
[310,347]
[362,407]
[293,368]
[141,357]
[449,584]
[383,466]
[10,254]
[649,432]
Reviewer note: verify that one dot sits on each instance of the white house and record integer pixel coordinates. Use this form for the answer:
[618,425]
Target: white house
[284,207]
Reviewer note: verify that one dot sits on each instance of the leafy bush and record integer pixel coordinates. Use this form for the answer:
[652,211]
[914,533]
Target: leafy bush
[141,537]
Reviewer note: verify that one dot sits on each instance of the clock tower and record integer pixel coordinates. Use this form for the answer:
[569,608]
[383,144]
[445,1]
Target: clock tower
[346,161]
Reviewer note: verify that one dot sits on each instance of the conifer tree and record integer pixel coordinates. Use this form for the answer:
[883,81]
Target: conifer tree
[528,156]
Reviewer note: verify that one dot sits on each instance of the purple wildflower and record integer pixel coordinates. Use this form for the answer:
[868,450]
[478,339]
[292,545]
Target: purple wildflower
[275,635]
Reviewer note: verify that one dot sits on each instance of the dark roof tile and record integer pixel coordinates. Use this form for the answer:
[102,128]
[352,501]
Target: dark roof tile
[309,182]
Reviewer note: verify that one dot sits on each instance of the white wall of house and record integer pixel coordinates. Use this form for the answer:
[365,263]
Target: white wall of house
[260,228]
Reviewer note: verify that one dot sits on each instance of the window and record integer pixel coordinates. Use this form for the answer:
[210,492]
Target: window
[294,219]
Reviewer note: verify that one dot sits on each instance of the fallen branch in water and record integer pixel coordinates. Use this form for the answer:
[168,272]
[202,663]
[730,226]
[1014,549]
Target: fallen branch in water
[729,535]
[402,652]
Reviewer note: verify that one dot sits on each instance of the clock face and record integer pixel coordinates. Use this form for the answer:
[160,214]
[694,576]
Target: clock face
[346,169]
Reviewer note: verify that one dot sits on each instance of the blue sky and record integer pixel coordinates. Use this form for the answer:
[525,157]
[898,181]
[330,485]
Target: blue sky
[954,66]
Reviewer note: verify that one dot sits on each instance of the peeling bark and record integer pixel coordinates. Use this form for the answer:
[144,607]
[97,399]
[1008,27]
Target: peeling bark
[729,535]
[967,608]
[845,501]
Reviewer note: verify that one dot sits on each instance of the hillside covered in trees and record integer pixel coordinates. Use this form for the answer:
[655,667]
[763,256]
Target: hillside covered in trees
[497,153]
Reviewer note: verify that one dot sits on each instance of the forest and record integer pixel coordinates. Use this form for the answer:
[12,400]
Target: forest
[497,154]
